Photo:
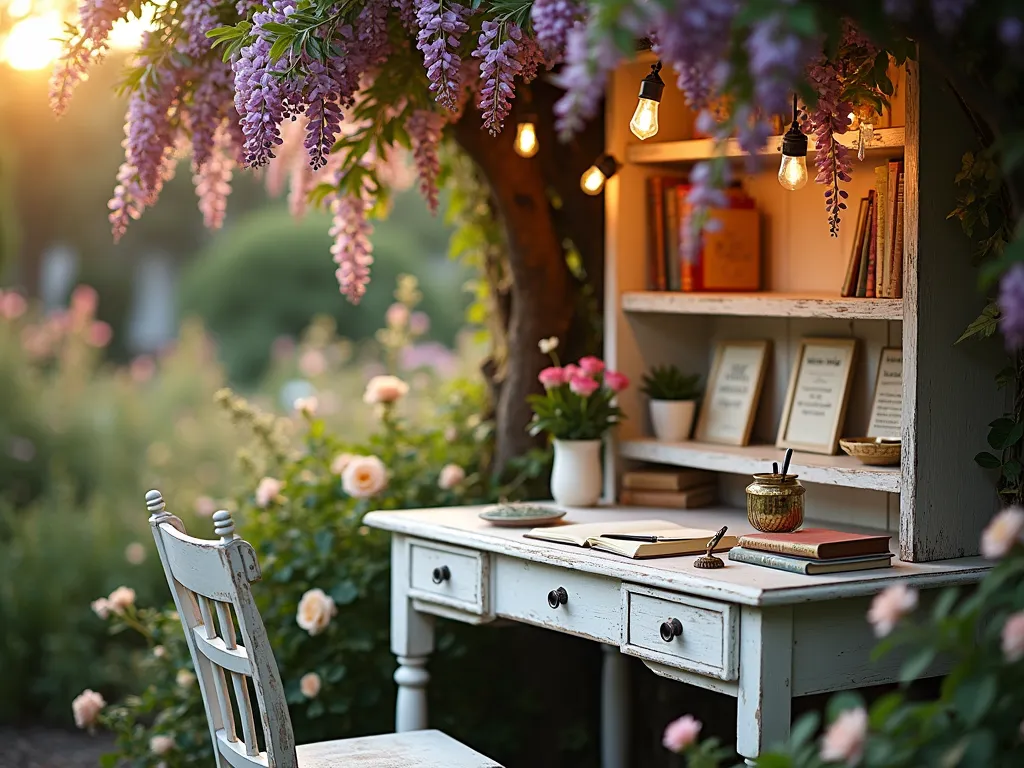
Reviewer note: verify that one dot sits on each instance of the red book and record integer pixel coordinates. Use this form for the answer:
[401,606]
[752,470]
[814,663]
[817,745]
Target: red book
[818,543]
[656,277]
[741,240]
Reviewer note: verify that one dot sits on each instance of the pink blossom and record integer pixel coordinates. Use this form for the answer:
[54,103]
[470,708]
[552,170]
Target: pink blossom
[1013,637]
[591,365]
[583,386]
[552,377]
[339,462]
[844,740]
[100,334]
[616,381]
[572,370]
[267,491]
[419,323]
[681,733]
[1002,533]
[12,305]
[397,315]
[891,605]
[87,707]
[310,684]
[84,300]
[451,476]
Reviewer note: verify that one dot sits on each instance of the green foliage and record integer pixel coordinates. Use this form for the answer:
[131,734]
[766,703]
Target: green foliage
[668,382]
[227,283]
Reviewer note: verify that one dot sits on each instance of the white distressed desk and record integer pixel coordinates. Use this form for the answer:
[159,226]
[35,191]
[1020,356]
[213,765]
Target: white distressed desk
[761,635]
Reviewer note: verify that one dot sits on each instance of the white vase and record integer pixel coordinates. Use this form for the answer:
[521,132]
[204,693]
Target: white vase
[672,419]
[577,478]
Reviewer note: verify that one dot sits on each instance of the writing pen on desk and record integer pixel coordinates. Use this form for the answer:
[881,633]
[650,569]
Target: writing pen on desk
[644,537]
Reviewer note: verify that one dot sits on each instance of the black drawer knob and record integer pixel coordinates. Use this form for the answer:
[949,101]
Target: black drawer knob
[441,574]
[671,629]
[557,597]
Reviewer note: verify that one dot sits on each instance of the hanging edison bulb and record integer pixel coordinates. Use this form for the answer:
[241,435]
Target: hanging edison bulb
[526,144]
[645,118]
[593,179]
[793,170]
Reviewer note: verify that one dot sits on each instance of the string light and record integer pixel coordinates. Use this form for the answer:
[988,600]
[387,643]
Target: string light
[793,170]
[593,179]
[645,119]
[526,144]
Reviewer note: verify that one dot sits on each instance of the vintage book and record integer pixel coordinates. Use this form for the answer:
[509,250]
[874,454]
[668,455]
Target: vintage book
[818,543]
[882,239]
[656,263]
[729,258]
[672,237]
[873,254]
[699,496]
[685,541]
[896,269]
[895,167]
[808,567]
[853,266]
[865,247]
[666,479]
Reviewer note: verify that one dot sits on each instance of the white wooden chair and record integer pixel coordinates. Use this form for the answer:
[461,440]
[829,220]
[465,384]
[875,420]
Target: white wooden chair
[212,578]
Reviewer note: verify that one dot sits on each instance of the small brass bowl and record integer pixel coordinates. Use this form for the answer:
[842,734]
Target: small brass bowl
[775,503]
[874,451]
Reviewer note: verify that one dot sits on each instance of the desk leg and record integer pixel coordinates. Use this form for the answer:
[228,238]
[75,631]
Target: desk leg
[765,689]
[412,641]
[614,708]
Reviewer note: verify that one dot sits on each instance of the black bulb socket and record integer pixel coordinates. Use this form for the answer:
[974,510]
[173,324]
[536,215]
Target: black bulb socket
[652,86]
[607,165]
[794,143]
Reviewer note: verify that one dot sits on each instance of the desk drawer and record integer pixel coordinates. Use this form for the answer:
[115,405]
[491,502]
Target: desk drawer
[592,606]
[446,575]
[698,635]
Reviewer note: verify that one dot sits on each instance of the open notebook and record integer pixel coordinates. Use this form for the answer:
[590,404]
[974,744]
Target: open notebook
[686,541]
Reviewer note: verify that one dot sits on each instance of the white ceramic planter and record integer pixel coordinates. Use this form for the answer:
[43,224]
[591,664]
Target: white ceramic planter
[577,477]
[672,419]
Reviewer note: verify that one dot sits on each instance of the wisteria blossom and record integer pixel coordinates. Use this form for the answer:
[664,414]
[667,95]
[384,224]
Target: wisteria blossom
[441,25]
[424,127]
[499,64]
[352,252]
[552,20]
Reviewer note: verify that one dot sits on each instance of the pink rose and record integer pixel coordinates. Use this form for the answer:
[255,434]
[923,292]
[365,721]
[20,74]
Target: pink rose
[100,334]
[12,305]
[681,733]
[310,683]
[364,476]
[267,491]
[552,377]
[591,365]
[339,462]
[161,745]
[451,476]
[571,370]
[316,609]
[384,390]
[87,707]
[1002,533]
[1013,637]
[844,740]
[583,386]
[889,606]
[616,381]
[101,607]
[84,300]
[120,600]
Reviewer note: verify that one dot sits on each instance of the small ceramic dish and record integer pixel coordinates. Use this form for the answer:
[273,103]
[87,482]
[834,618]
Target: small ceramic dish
[875,451]
[521,515]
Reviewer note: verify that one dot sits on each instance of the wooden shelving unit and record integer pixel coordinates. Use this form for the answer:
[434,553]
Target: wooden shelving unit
[746,460]
[884,140]
[764,304]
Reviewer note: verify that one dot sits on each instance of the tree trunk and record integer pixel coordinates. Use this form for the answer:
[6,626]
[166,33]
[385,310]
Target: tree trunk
[545,294]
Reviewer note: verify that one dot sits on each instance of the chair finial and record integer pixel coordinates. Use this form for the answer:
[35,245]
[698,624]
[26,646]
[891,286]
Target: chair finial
[155,502]
[223,525]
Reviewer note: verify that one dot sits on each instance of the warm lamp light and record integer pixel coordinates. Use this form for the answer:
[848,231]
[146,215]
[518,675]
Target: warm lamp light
[593,179]
[793,170]
[526,144]
[645,119]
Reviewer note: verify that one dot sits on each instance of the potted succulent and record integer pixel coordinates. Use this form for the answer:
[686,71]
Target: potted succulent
[673,396]
[577,409]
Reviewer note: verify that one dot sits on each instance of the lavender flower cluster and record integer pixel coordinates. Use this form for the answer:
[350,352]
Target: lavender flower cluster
[96,19]
[552,20]
[441,24]
[424,127]
[352,251]
[498,51]
[831,116]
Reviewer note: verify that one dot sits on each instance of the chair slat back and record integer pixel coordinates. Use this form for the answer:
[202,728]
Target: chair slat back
[210,582]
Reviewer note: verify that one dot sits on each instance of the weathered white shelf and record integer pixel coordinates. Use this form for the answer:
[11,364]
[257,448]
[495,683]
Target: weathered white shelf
[762,304]
[746,460]
[884,140]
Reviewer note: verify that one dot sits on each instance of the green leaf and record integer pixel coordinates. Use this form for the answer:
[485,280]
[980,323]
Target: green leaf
[1011,470]
[280,47]
[975,697]
[1004,433]
[345,592]
[984,325]
[945,604]
[916,665]
[804,729]
[987,461]
[278,28]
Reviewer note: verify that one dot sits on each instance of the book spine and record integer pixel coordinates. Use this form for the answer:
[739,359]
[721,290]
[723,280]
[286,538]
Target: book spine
[893,175]
[672,238]
[852,267]
[881,190]
[865,248]
[870,292]
[794,548]
[689,254]
[767,560]
[656,248]
[896,279]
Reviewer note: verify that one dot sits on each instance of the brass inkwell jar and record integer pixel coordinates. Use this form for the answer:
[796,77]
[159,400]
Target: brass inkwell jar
[775,501]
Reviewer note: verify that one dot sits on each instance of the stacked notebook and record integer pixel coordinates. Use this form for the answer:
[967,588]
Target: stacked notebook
[637,539]
[668,488]
[814,551]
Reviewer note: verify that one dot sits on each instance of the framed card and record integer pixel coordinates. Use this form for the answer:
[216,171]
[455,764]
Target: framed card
[887,404]
[819,390]
[733,391]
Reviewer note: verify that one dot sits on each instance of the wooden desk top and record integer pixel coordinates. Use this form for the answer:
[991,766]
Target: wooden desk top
[736,583]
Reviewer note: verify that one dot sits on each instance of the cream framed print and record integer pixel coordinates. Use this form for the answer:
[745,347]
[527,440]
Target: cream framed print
[819,390]
[733,391]
[887,403]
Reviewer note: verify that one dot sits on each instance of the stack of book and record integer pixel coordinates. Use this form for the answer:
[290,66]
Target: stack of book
[668,488]
[875,269]
[728,255]
[814,551]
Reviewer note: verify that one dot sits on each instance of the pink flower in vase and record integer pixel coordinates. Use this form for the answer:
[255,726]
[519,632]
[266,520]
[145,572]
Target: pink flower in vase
[583,386]
[591,365]
[572,371]
[552,377]
[616,381]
